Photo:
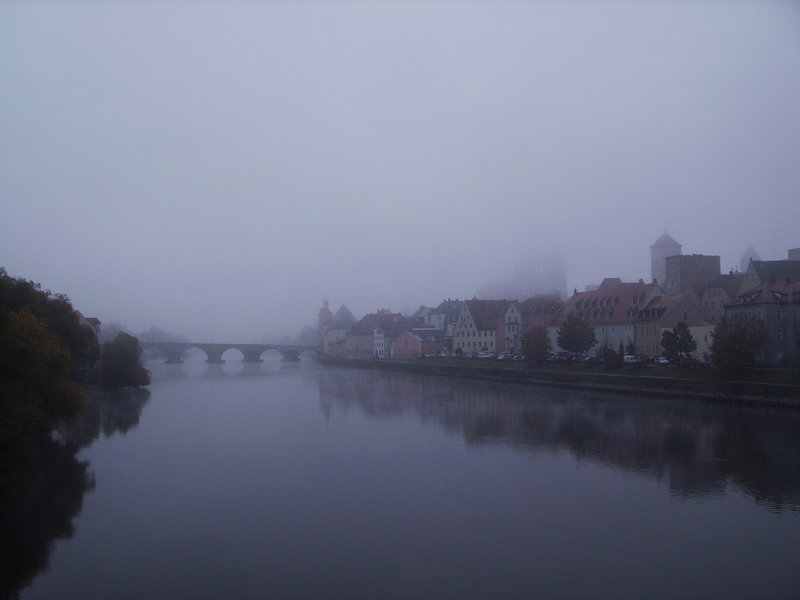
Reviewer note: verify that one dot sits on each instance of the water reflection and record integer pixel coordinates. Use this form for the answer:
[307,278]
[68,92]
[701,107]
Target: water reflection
[220,371]
[40,497]
[697,449]
[107,412]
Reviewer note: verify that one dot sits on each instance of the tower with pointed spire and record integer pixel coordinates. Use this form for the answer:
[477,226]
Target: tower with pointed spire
[663,247]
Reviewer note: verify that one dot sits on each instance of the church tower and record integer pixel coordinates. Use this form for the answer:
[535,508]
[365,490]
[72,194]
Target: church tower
[664,247]
[749,254]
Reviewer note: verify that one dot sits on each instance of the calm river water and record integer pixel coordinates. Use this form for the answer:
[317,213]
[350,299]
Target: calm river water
[287,480]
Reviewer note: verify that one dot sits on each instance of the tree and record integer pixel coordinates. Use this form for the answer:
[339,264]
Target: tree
[736,345]
[36,390]
[120,363]
[678,342]
[610,358]
[574,335]
[536,344]
[57,314]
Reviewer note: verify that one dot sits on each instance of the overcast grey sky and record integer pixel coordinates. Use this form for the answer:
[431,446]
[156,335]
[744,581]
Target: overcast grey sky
[218,169]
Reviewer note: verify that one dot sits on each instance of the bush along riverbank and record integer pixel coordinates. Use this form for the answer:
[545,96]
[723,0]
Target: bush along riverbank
[641,385]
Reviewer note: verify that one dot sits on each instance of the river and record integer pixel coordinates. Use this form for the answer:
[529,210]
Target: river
[297,480]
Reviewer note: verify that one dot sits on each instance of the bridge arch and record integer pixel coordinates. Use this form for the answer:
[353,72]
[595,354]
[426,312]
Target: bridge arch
[174,351]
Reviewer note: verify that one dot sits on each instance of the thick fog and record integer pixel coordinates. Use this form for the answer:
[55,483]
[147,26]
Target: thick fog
[219,169]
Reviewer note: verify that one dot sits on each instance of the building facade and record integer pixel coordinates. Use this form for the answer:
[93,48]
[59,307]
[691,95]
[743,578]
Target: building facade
[476,329]
[417,343]
[775,303]
[662,314]
[611,310]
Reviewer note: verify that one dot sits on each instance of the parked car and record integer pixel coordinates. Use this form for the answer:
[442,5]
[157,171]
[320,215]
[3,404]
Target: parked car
[661,361]
[629,359]
[504,356]
[485,354]
[592,360]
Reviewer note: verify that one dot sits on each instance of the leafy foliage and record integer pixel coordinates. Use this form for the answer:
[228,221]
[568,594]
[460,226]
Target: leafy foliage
[36,390]
[678,342]
[120,363]
[536,344]
[57,314]
[574,335]
[736,345]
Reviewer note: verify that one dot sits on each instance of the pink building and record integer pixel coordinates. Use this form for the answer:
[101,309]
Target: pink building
[416,343]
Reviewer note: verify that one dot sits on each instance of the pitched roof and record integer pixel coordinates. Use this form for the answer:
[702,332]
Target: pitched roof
[372,321]
[776,269]
[345,314]
[487,313]
[665,240]
[450,309]
[659,306]
[613,302]
[772,291]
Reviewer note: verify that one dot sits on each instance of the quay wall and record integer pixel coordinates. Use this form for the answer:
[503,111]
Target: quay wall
[644,385]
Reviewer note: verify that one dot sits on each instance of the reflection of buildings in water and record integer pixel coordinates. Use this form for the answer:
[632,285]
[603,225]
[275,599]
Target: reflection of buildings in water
[698,448]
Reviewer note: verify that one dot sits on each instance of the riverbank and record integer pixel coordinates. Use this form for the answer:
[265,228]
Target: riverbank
[642,385]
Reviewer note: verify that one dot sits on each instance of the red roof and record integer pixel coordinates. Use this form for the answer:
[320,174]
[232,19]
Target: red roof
[613,302]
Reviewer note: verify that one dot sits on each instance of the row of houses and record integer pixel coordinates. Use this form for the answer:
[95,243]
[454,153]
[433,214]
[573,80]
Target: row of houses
[633,315]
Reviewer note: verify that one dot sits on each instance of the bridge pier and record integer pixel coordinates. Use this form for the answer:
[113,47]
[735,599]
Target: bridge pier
[291,356]
[213,356]
[251,356]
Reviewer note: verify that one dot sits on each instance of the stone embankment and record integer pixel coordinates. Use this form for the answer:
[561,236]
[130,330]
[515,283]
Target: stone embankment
[640,385]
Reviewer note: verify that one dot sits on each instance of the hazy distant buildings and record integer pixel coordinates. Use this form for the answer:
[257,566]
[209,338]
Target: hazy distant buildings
[533,276]
[749,254]
[674,271]
[333,329]
[688,288]
[664,247]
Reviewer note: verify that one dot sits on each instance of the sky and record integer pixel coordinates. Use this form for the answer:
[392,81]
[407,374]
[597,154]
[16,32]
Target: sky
[218,169]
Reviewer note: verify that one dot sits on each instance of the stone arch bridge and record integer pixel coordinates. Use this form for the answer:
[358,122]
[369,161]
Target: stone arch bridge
[214,351]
